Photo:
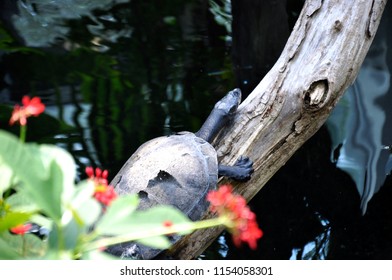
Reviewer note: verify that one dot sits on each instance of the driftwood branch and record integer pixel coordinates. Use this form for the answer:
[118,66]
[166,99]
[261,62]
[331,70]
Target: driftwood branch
[319,62]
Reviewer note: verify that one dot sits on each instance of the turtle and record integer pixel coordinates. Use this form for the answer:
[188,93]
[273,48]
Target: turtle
[179,170]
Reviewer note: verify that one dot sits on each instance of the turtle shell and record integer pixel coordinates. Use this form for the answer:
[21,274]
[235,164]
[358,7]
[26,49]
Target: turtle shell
[178,170]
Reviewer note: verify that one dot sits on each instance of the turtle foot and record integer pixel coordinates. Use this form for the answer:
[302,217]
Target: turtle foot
[240,171]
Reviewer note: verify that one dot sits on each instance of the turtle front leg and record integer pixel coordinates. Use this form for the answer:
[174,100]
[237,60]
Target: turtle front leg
[240,171]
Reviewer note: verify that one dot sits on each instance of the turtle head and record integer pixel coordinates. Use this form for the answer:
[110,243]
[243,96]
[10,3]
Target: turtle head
[229,103]
[223,112]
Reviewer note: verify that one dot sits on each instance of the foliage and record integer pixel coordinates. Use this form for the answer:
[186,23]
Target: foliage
[43,191]
[38,195]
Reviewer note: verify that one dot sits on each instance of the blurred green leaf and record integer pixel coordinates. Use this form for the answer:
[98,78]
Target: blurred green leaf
[20,202]
[157,242]
[55,254]
[7,252]
[87,213]
[98,255]
[152,219]
[12,219]
[85,209]
[61,167]
[117,216]
[27,246]
[47,172]
[146,227]
[65,238]
[155,217]
[16,155]
[83,192]
[5,178]
[25,161]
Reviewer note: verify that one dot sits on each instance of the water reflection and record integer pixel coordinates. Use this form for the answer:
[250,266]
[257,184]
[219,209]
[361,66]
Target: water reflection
[358,125]
[42,23]
[84,152]
[318,248]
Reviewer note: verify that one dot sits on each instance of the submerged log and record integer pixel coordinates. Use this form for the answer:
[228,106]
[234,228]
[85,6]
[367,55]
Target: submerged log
[319,62]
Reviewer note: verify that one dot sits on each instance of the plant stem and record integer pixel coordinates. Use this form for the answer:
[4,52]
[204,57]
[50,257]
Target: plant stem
[22,134]
[60,233]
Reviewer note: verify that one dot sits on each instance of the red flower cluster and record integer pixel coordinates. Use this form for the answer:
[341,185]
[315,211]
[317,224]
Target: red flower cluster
[31,107]
[243,225]
[21,229]
[104,193]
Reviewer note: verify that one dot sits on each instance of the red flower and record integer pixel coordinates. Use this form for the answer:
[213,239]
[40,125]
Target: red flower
[242,221]
[248,234]
[21,229]
[31,107]
[104,193]
[99,176]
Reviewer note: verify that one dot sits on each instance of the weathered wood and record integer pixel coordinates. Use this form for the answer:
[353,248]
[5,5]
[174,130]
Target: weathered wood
[320,61]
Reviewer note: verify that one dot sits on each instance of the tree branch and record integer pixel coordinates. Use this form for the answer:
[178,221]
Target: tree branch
[319,62]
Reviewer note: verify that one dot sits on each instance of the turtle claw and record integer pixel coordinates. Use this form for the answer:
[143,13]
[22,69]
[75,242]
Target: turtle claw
[244,162]
[240,171]
[244,167]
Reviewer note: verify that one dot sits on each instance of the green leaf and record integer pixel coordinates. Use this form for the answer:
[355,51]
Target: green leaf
[155,217]
[146,227]
[6,178]
[85,209]
[15,156]
[117,216]
[83,192]
[45,193]
[20,202]
[47,172]
[65,238]
[55,254]
[27,246]
[87,213]
[7,252]
[12,219]
[98,255]
[157,242]
[61,168]
[143,222]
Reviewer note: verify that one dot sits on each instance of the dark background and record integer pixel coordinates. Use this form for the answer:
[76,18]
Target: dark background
[129,72]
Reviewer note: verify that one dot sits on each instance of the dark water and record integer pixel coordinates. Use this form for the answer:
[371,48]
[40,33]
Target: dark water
[114,74]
